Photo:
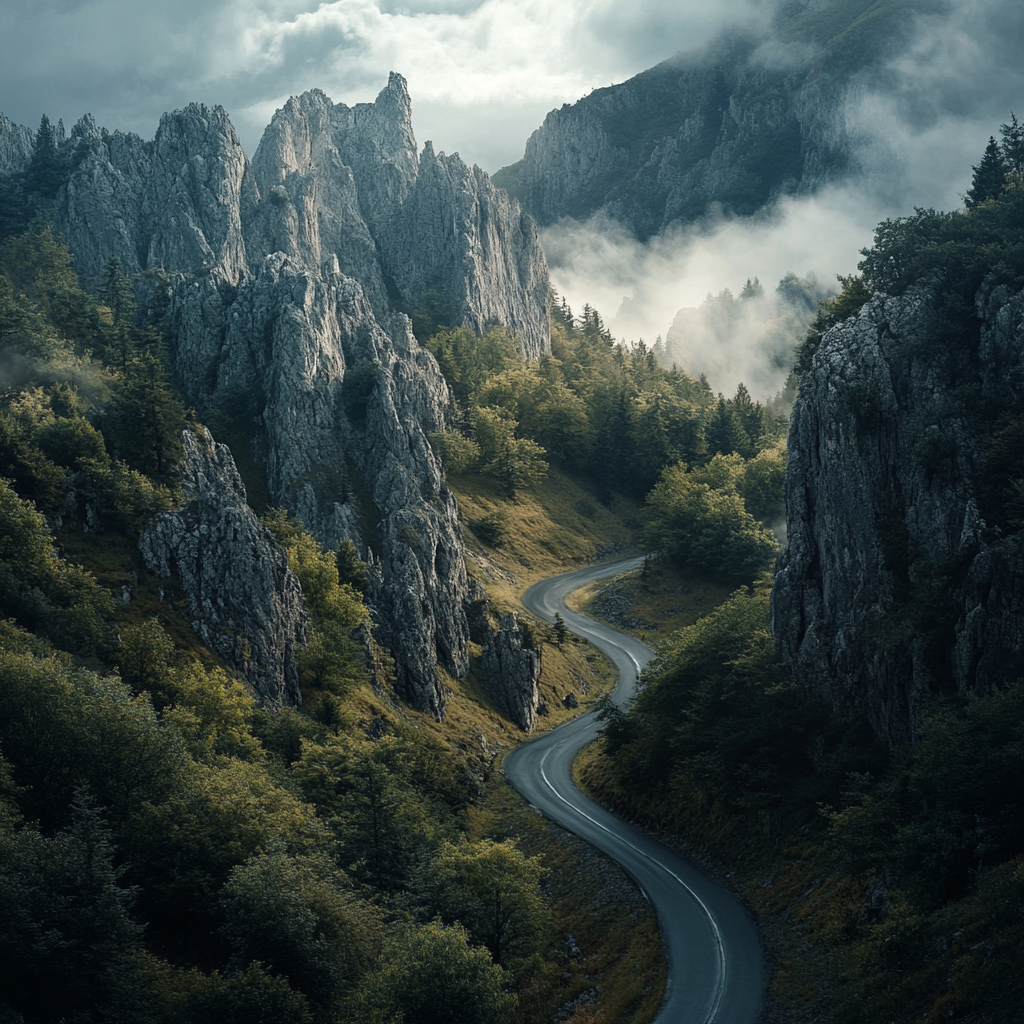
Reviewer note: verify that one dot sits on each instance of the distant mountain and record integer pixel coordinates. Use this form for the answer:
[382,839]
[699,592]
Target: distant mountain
[752,117]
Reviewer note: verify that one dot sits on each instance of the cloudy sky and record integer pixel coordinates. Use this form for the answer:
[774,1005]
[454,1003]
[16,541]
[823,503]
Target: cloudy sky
[482,73]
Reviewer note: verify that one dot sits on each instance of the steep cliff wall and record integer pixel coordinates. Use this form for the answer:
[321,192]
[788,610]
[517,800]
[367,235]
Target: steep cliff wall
[735,125]
[893,588]
[245,602]
[283,285]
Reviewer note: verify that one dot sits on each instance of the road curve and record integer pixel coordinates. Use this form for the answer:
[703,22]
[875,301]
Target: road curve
[715,964]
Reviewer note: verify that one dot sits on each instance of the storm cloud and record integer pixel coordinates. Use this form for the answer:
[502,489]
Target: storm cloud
[482,75]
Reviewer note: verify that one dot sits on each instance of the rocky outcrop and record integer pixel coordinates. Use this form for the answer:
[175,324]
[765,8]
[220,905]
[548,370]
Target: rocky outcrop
[731,127]
[16,145]
[893,588]
[512,673]
[285,284]
[245,602]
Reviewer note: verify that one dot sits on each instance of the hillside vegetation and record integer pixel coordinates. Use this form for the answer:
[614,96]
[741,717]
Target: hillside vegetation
[172,851]
[889,878]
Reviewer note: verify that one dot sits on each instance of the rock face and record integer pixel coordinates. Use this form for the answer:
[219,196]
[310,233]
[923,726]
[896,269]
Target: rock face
[284,285]
[16,145]
[892,588]
[735,125]
[512,673]
[245,601]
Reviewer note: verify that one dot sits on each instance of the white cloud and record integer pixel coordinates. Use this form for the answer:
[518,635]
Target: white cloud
[601,264]
[482,73]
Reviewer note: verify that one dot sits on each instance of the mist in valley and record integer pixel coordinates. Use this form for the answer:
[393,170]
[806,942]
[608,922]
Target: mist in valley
[914,129]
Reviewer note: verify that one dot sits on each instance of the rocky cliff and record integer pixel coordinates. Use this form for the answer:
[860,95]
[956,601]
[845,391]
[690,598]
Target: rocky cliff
[245,602]
[732,126]
[893,588]
[285,284]
[512,673]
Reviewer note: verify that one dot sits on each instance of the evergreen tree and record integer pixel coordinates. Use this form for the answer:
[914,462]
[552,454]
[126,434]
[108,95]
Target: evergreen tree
[725,433]
[560,631]
[146,418]
[117,291]
[1013,144]
[752,289]
[989,176]
[45,173]
[749,413]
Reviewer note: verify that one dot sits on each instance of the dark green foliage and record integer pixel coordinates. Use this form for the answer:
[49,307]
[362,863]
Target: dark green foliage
[700,520]
[431,316]
[559,629]
[493,529]
[954,252]
[432,975]
[494,889]
[297,918]
[390,804]
[331,662]
[855,292]
[44,175]
[1002,478]
[717,719]
[989,176]
[145,419]
[117,292]
[725,433]
[249,996]
[610,413]
[43,592]
[65,919]
[351,571]
[1012,146]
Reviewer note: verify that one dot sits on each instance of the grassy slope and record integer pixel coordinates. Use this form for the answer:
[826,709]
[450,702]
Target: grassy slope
[618,973]
[612,968]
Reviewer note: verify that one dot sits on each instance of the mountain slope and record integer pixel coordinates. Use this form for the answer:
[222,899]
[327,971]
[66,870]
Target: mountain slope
[748,119]
[285,283]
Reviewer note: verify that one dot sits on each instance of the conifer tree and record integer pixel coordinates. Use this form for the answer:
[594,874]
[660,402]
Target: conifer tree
[725,433]
[989,176]
[44,174]
[1013,144]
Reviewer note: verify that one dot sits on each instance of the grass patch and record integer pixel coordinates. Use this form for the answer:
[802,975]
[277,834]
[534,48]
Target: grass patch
[552,527]
[656,599]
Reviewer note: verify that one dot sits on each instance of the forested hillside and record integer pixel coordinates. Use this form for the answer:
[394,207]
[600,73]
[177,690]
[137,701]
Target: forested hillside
[881,840]
[175,845]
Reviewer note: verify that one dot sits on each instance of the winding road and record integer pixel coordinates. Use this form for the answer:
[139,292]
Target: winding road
[715,965]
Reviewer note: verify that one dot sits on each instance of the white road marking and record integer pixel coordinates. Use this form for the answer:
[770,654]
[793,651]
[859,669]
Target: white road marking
[588,634]
[720,990]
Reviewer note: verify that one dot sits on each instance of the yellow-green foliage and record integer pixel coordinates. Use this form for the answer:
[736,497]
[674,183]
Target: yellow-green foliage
[330,663]
[494,889]
[609,412]
[42,591]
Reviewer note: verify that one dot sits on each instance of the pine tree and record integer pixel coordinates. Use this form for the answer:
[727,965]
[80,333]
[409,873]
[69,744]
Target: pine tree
[117,291]
[45,173]
[725,433]
[1012,147]
[989,176]
[560,631]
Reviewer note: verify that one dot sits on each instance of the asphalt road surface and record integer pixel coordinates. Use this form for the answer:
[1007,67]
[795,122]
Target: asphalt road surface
[715,963]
